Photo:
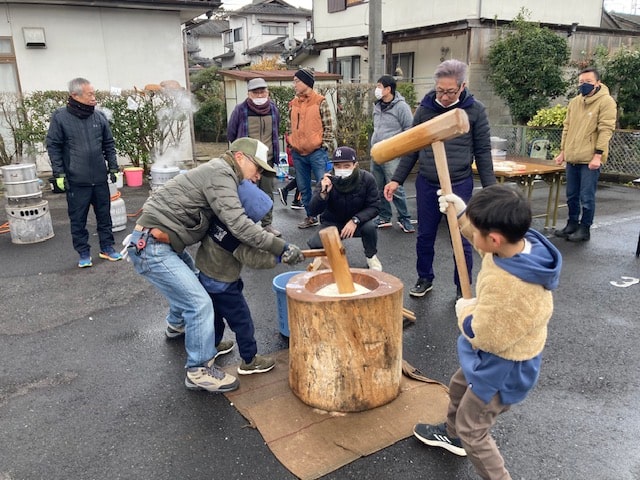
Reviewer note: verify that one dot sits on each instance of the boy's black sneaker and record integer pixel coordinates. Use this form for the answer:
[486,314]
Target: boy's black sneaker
[436,436]
[283,195]
[421,287]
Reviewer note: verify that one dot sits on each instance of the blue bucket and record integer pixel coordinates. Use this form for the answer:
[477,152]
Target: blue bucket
[280,287]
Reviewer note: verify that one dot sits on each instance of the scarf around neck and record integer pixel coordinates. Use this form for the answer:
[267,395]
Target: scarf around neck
[259,109]
[78,109]
[348,184]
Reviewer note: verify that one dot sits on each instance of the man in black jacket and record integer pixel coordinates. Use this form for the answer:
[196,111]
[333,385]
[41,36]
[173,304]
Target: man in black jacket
[450,92]
[348,200]
[82,154]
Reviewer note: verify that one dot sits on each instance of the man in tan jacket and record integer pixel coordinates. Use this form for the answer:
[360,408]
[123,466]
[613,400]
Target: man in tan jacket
[588,127]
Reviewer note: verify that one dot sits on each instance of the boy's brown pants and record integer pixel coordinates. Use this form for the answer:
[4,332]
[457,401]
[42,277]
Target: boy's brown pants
[470,419]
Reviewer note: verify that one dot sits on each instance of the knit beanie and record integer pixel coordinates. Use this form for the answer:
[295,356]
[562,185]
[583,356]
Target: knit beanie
[305,75]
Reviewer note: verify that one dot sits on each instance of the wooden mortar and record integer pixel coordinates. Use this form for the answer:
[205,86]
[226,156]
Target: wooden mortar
[345,352]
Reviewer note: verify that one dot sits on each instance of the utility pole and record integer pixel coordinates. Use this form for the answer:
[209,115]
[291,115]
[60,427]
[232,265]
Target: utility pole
[375,40]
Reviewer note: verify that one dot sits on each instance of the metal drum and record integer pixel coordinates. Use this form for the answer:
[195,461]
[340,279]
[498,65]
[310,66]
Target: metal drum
[21,182]
[30,224]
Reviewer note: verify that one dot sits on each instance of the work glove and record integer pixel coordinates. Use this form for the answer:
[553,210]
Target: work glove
[292,254]
[451,198]
[463,303]
[113,175]
[62,183]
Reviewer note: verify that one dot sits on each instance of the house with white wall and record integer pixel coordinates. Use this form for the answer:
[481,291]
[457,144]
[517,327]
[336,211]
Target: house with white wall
[204,41]
[121,44]
[262,30]
[417,36]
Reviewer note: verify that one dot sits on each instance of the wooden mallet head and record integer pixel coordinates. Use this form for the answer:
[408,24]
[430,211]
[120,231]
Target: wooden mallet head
[443,127]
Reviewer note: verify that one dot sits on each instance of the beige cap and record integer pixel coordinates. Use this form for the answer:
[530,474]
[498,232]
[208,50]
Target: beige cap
[257,150]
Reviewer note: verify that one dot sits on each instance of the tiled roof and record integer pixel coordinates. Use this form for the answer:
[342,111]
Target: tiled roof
[272,7]
[274,75]
[211,28]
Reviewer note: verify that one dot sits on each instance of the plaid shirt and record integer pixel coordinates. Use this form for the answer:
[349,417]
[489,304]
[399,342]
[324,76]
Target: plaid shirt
[328,129]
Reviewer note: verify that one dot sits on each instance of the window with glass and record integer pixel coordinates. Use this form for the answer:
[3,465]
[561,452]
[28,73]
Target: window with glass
[274,30]
[8,68]
[348,67]
[402,65]
[237,34]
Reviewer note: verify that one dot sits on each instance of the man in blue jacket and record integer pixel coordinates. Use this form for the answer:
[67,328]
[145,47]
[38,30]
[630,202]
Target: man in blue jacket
[450,92]
[348,200]
[82,153]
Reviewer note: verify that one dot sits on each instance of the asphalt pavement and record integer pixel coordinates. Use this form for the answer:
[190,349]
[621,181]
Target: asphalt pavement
[91,388]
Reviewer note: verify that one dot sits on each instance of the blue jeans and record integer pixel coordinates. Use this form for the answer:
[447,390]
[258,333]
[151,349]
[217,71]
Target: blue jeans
[176,277]
[581,190]
[383,174]
[315,163]
[368,231]
[429,217]
[79,199]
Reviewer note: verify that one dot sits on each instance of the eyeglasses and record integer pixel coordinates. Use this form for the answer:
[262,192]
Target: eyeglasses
[448,93]
[258,167]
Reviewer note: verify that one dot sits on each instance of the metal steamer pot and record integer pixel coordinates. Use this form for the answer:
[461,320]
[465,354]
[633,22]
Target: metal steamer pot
[21,181]
[161,174]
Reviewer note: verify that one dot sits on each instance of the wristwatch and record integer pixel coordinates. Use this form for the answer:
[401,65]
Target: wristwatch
[355,220]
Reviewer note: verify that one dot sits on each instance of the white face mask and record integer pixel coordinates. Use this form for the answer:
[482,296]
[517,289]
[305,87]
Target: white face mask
[378,93]
[447,106]
[342,172]
[260,100]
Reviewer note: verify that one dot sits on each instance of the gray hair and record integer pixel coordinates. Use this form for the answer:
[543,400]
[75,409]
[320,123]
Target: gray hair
[451,68]
[75,85]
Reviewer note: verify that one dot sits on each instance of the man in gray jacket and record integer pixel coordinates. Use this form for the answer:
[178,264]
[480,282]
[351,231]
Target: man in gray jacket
[178,215]
[391,115]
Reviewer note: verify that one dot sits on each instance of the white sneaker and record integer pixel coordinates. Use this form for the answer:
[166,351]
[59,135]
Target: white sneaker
[374,264]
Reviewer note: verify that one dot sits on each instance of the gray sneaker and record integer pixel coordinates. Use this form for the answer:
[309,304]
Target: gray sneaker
[211,379]
[259,364]
[224,347]
[174,331]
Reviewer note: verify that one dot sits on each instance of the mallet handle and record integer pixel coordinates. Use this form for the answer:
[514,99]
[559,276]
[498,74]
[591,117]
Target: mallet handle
[442,167]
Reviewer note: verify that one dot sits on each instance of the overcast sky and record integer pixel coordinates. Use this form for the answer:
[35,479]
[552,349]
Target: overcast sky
[233,4]
[622,6]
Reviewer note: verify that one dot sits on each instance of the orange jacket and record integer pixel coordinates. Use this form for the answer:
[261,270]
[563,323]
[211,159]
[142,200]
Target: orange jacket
[306,123]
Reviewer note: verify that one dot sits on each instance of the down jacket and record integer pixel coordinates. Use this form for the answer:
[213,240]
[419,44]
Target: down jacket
[461,151]
[81,148]
[183,206]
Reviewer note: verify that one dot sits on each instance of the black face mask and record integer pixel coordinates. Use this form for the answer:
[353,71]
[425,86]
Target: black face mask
[586,88]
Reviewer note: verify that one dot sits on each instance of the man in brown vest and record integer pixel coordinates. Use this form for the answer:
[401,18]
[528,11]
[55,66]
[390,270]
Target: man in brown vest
[312,136]
[258,117]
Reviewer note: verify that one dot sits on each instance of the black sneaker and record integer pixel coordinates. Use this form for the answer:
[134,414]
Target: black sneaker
[436,436]
[297,205]
[421,287]
[283,195]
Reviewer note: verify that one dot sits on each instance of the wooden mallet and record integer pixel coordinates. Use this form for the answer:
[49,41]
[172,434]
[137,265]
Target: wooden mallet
[337,257]
[434,132]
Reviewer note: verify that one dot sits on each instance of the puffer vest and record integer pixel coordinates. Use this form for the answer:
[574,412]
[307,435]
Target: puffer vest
[306,123]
